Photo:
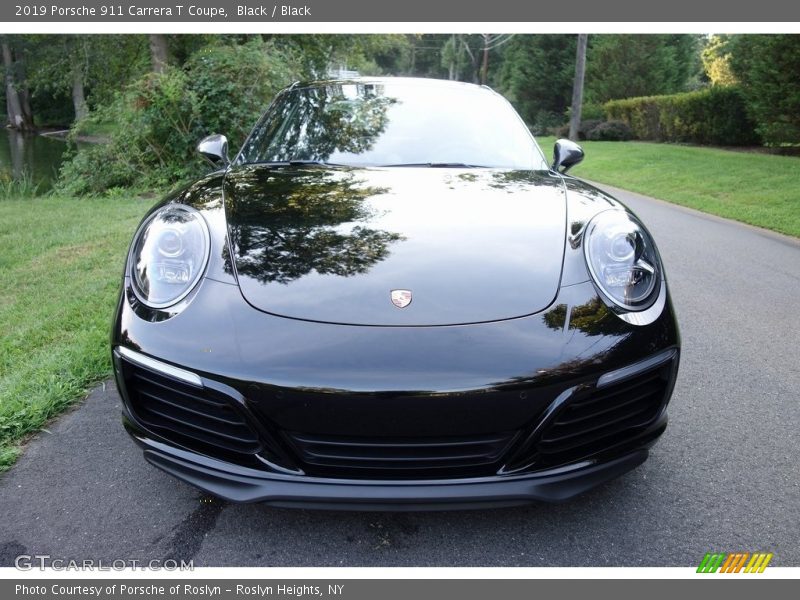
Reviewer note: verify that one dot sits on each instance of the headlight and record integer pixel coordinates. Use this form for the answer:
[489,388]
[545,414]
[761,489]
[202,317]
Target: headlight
[169,255]
[622,259]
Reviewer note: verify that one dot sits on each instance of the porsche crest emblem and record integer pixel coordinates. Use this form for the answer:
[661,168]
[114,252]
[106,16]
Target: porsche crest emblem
[401,298]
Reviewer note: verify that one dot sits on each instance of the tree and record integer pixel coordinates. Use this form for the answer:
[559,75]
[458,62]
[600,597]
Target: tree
[58,64]
[452,52]
[159,52]
[716,57]
[19,115]
[627,66]
[424,56]
[577,87]
[156,120]
[80,66]
[490,42]
[367,54]
[536,75]
[766,67]
[286,228]
[457,57]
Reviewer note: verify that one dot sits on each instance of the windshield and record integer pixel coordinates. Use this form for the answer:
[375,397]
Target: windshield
[393,124]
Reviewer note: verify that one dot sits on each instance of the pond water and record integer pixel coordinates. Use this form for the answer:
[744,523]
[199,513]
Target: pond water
[38,156]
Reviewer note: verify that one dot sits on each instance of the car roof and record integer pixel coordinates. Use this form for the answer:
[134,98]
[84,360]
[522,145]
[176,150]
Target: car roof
[383,80]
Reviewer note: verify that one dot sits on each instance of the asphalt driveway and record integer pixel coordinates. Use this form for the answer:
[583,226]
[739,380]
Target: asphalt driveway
[725,476]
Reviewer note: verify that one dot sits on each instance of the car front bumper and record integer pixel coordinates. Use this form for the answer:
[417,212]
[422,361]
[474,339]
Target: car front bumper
[285,379]
[241,484]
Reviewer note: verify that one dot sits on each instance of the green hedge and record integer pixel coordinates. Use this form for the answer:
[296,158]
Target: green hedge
[716,115]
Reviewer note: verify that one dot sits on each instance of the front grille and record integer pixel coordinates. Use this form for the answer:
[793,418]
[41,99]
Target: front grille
[339,456]
[198,418]
[605,418]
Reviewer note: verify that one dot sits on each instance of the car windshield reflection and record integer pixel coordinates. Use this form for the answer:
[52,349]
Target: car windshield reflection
[393,123]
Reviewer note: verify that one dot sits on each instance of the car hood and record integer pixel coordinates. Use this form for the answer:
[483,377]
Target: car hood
[332,244]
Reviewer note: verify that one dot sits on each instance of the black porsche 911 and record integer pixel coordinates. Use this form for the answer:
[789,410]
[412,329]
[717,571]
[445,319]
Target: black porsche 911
[390,299]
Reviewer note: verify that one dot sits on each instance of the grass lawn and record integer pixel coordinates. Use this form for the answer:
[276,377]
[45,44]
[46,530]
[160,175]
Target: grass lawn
[759,189]
[61,261]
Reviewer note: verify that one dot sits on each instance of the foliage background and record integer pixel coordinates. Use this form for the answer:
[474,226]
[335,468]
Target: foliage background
[719,89]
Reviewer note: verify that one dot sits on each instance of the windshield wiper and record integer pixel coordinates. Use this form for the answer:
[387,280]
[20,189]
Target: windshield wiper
[295,163]
[437,165]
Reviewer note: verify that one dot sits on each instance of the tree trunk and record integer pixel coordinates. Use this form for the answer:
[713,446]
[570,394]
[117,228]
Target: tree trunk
[78,96]
[485,65]
[158,52]
[577,87]
[451,74]
[25,101]
[16,117]
[24,92]
[473,60]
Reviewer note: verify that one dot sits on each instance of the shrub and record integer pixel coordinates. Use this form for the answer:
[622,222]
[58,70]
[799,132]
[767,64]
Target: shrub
[716,115]
[561,132]
[593,111]
[583,129]
[610,131]
[590,111]
[544,121]
[155,126]
[159,118]
[586,128]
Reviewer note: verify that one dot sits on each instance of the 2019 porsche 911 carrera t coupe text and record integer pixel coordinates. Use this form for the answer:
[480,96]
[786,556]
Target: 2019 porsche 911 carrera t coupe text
[390,299]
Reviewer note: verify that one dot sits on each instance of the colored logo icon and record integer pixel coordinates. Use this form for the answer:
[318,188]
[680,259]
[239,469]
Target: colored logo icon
[735,562]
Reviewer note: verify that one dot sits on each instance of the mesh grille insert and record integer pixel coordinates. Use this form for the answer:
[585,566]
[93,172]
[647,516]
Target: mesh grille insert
[188,415]
[401,457]
[605,418]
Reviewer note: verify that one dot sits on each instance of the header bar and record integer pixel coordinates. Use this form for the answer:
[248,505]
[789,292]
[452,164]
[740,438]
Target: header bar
[400,11]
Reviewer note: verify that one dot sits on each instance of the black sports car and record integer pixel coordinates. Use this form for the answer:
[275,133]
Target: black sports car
[390,299]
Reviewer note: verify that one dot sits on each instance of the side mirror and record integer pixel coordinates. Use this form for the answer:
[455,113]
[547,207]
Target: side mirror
[214,148]
[566,154]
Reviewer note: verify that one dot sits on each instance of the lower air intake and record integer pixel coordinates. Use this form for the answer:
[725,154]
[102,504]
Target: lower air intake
[607,417]
[201,419]
[338,456]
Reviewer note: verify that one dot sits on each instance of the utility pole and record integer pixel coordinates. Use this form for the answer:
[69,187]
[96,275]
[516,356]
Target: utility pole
[577,87]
